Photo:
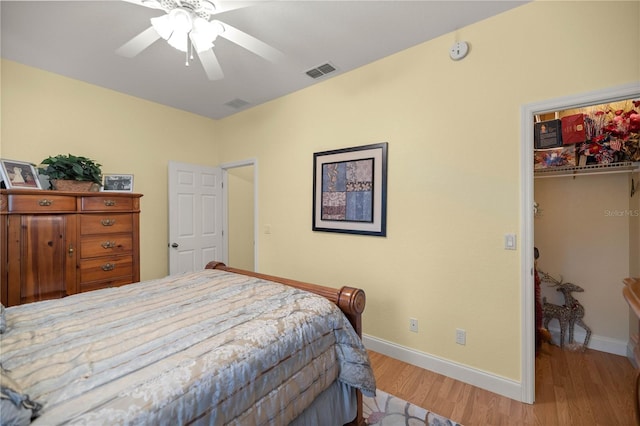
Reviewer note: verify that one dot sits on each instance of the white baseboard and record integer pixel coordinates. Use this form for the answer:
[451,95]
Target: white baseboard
[598,343]
[491,382]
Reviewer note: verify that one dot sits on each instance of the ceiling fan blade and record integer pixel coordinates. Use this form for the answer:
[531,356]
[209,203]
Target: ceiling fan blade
[210,64]
[251,43]
[152,4]
[225,6]
[138,43]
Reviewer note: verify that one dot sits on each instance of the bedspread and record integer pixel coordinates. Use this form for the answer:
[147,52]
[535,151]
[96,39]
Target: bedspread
[210,347]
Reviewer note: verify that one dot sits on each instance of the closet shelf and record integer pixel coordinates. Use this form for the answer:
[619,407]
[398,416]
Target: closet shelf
[593,169]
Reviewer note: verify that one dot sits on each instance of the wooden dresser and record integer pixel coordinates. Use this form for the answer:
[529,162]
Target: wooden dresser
[631,293]
[56,243]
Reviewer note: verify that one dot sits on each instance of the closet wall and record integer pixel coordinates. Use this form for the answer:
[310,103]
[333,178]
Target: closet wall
[588,232]
[241,209]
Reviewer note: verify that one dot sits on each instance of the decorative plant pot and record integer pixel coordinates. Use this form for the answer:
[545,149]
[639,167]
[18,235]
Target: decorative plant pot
[72,185]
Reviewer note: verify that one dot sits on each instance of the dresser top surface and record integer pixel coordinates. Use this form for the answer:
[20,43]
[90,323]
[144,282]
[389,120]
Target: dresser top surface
[69,193]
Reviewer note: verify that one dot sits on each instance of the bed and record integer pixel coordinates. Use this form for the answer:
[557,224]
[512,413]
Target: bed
[217,346]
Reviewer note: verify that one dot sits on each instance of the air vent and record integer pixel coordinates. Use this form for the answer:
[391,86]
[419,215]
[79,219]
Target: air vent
[237,103]
[321,70]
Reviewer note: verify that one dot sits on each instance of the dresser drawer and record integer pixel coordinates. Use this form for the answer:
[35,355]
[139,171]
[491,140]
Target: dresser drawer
[45,203]
[106,223]
[105,245]
[107,268]
[97,285]
[106,203]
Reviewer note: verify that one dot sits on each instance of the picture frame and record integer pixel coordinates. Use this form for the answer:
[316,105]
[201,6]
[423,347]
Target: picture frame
[19,174]
[350,190]
[117,183]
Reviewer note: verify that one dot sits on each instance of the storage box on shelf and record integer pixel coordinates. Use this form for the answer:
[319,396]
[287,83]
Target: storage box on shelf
[547,134]
[555,157]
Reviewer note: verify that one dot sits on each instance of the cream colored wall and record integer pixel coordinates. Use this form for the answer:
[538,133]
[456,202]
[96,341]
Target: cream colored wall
[583,236]
[46,114]
[454,177]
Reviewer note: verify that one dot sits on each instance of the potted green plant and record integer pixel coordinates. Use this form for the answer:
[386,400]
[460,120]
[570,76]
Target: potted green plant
[71,173]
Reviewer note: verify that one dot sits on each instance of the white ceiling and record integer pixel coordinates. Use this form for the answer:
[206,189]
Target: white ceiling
[78,39]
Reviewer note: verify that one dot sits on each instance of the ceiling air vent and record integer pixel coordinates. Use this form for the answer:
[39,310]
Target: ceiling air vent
[237,103]
[321,70]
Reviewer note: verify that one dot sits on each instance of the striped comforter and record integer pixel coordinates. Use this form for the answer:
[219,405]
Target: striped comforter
[209,347]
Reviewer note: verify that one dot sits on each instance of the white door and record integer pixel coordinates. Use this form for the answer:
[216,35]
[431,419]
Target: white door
[195,216]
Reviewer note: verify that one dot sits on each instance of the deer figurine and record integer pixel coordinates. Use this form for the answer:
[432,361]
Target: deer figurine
[552,311]
[569,314]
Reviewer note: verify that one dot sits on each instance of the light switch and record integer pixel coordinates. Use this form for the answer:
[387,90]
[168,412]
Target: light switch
[510,241]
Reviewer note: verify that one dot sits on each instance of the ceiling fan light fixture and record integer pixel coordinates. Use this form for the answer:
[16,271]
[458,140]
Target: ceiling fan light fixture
[208,29]
[162,25]
[186,26]
[178,20]
[204,33]
[178,40]
[181,20]
[200,44]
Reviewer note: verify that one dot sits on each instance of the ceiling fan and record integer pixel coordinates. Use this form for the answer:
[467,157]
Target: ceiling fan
[187,26]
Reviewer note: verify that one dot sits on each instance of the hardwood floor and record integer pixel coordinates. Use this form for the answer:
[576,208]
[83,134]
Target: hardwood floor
[572,388]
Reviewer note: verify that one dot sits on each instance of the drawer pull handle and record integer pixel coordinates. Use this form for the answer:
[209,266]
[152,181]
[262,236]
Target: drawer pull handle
[108,222]
[108,244]
[71,250]
[45,202]
[109,203]
[108,267]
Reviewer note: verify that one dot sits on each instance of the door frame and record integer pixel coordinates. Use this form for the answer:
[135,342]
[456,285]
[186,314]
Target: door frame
[527,349]
[225,206]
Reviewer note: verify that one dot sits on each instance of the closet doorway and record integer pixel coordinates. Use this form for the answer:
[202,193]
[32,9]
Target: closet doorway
[529,222]
[240,213]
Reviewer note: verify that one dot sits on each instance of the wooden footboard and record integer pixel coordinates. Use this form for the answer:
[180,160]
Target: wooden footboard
[350,300]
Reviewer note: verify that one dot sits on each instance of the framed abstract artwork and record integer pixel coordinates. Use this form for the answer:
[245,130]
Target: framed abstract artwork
[350,190]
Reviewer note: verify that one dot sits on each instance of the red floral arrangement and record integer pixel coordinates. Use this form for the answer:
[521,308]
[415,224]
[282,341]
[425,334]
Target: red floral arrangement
[613,135]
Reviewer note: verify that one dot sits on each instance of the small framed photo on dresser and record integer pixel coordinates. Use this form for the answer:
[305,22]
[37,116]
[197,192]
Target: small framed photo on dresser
[19,174]
[117,183]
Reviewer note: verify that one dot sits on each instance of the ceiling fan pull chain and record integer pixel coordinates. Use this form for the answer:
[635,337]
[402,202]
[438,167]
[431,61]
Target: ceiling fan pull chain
[189,51]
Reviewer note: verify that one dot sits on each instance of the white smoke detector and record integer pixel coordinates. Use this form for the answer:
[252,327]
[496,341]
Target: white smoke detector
[459,50]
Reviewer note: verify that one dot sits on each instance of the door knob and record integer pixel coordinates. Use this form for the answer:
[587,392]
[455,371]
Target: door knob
[174,245]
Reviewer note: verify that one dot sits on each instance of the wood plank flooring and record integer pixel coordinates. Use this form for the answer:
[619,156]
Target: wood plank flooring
[572,388]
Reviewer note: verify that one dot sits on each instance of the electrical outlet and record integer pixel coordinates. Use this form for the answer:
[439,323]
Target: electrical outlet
[461,336]
[413,325]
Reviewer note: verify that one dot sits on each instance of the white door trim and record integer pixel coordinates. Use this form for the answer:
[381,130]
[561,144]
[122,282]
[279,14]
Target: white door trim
[225,202]
[627,91]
